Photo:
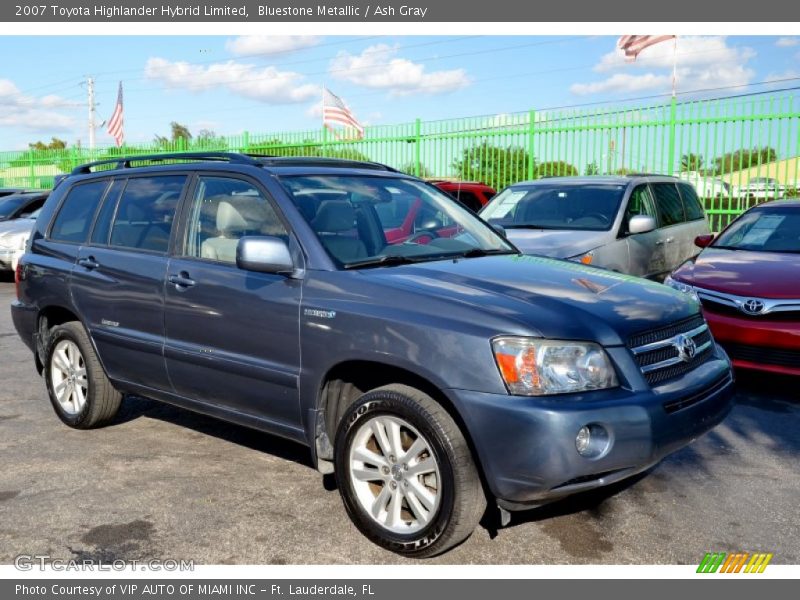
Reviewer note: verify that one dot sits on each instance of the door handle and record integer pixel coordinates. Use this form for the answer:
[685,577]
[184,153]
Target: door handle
[181,281]
[89,263]
[670,240]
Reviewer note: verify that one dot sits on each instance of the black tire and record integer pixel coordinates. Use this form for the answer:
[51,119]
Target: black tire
[102,401]
[462,501]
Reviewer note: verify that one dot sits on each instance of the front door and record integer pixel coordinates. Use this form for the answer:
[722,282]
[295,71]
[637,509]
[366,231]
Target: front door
[646,252]
[232,336]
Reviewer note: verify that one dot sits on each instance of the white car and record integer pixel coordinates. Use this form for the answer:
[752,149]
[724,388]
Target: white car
[14,236]
[762,188]
[708,187]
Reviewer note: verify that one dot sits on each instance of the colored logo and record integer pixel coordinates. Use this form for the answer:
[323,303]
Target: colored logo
[685,346]
[736,562]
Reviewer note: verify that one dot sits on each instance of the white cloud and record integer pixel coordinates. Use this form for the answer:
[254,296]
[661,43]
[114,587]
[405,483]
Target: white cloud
[29,112]
[703,62]
[266,84]
[787,42]
[250,45]
[379,67]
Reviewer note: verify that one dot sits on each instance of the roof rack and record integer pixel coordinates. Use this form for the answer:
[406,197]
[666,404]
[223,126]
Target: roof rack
[124,162]
[321,161]
[647,175]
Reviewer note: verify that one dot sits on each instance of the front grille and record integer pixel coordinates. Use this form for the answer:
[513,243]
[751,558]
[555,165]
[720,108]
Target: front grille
[760,354]
[731,311]
[658,356]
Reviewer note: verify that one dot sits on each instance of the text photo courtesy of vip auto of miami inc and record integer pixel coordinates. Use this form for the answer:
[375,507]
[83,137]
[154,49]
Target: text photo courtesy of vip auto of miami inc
[372,299]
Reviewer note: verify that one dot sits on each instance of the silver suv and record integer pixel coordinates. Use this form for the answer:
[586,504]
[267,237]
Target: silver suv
[642,225]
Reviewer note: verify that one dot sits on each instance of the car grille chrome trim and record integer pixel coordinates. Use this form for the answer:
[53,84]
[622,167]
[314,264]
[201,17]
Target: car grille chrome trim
[770,305]
[661,353]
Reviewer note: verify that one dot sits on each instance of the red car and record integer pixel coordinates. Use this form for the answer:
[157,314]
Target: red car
[748,280]
[471,194]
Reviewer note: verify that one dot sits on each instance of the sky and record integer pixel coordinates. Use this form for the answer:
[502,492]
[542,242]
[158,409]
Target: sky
[230,84]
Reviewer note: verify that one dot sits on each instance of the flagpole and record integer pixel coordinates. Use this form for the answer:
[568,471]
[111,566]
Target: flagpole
[674,66]
[324,128]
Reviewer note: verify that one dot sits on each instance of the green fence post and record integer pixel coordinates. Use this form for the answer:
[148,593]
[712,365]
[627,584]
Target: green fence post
[324,141]
[246,142]
[531,135]
[31,169]
[417,147]
[673,113]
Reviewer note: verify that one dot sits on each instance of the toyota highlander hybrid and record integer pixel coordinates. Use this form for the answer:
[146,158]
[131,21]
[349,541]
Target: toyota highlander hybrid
[432,373]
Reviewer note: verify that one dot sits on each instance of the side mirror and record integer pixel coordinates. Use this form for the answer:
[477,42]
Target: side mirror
[264,254]
[703,241]
[641,224]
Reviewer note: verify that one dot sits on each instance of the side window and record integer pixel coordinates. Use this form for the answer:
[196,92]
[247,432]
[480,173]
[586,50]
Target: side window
[146,211]
[691,203]
[77,212]
[640,203]
[224,210]
[102,224]
[670,207]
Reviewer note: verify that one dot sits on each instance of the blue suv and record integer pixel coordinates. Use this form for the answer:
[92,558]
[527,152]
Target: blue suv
[431,371]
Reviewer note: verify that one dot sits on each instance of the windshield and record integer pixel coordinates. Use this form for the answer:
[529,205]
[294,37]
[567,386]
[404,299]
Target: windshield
[773,230]
[365,221]
[10,204]
[586,206]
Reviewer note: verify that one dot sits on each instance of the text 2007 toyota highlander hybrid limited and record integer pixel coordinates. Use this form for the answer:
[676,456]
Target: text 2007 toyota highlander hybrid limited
[430,374]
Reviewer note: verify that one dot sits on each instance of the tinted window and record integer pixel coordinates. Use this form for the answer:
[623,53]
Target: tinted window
[12,206]
[223,211]
[77,212]
[146,211]
[670,207]
[691,203]
[640,203]
[470,200]
[102,224]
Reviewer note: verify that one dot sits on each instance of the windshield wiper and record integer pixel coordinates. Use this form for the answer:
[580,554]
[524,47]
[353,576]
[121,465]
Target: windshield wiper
[478,252]
[383,261]
[530,226]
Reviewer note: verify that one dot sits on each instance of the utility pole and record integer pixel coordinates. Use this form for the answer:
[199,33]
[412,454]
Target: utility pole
[92,106]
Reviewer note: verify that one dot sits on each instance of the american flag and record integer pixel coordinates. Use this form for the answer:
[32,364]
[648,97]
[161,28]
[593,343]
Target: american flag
[632,45]
[335,112]
[115,129]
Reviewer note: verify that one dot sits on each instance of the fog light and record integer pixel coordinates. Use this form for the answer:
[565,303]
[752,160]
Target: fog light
[583,439]
[592,441]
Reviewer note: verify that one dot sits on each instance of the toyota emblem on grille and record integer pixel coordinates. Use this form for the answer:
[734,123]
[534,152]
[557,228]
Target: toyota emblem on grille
[752,306]
[685,346]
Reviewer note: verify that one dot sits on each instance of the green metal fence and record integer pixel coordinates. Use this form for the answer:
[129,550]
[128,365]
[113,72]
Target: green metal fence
[720,145]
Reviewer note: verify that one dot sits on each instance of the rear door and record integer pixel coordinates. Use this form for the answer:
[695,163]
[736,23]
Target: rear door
[118,282]
[232,336]
[671,219]
[646,254]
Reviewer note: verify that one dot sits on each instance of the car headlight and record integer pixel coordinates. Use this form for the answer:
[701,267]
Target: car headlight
[539,367]
[681,287]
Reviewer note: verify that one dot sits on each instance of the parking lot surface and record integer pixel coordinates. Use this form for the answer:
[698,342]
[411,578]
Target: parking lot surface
[164,483]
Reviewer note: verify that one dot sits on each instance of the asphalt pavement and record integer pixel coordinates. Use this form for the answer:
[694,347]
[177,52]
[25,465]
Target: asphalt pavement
[164,483]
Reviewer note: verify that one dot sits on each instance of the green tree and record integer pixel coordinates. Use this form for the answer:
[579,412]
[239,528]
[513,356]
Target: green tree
[208,140]
[691,162]
[744,158]
[555,168]
[411,169]
[493,165]
[55,144]
[592,169]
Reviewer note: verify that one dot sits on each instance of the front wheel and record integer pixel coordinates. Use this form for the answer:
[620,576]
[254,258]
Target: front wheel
[405,472]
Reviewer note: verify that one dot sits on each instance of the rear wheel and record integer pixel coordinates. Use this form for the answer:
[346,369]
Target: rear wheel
[405,472]
[80,392]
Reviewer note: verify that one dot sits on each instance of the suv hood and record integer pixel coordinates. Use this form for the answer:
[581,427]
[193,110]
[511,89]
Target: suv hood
[548,297]
[744,273]
[559,243]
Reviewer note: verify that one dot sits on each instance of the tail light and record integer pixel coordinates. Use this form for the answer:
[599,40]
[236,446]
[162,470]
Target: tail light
[17,278]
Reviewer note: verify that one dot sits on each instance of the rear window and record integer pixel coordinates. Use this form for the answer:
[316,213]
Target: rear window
[146,212]
[670,207]
[691,203]
[77,212]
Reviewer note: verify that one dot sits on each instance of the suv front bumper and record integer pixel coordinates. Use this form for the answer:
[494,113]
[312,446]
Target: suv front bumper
[526,445]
